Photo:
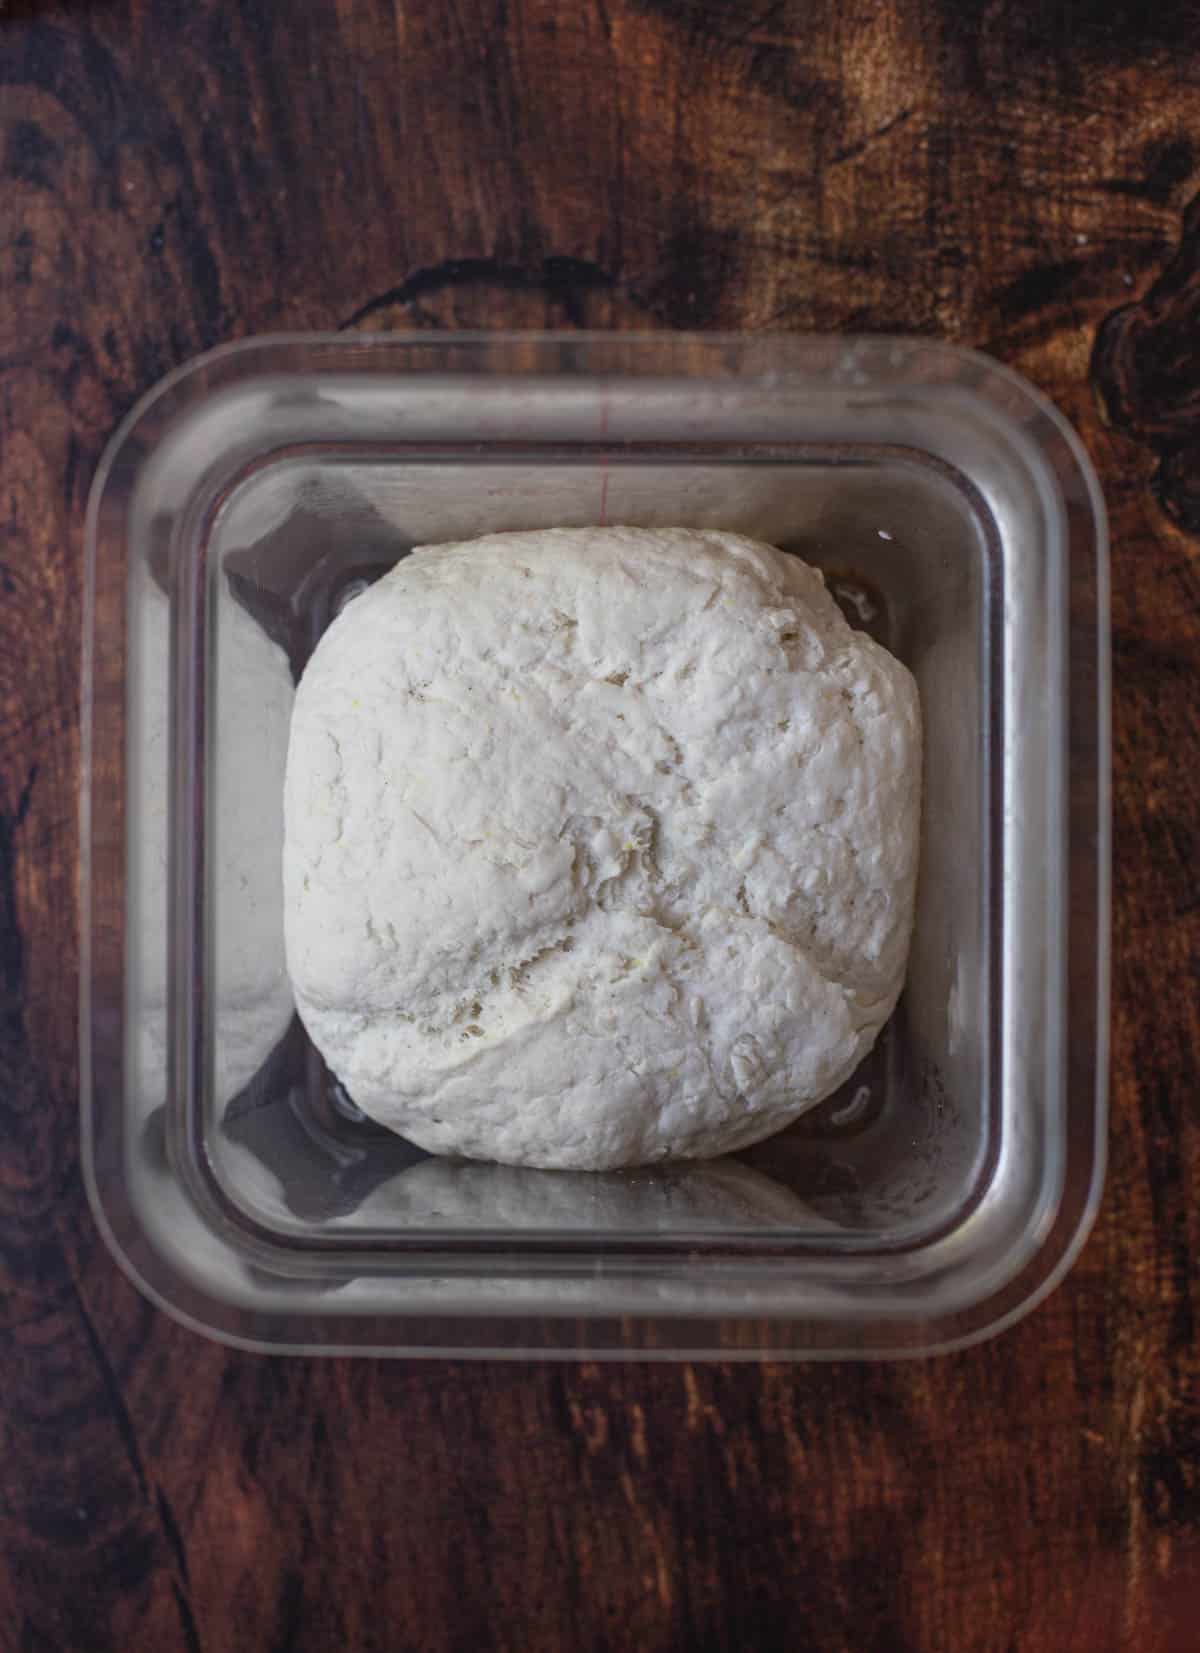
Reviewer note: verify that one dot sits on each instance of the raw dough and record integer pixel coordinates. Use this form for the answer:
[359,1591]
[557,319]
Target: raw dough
[600,845]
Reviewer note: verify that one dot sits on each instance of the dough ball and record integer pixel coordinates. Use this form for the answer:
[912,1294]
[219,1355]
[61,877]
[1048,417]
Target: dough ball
[600,845]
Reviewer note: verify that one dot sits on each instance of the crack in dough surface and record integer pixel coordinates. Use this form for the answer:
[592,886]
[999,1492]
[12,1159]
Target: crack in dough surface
[600,845]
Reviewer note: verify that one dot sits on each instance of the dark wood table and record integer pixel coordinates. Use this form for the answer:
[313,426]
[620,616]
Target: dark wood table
[1022,175]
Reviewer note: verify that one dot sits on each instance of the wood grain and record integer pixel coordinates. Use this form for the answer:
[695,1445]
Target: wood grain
[1025,178]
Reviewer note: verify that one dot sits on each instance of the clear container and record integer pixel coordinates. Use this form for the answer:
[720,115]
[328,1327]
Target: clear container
[929,1204]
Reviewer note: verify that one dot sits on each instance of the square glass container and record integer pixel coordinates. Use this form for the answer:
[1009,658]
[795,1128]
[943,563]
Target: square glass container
[936,1198]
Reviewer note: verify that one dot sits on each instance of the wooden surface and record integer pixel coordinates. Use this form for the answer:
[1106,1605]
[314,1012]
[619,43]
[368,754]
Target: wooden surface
[1023,175]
